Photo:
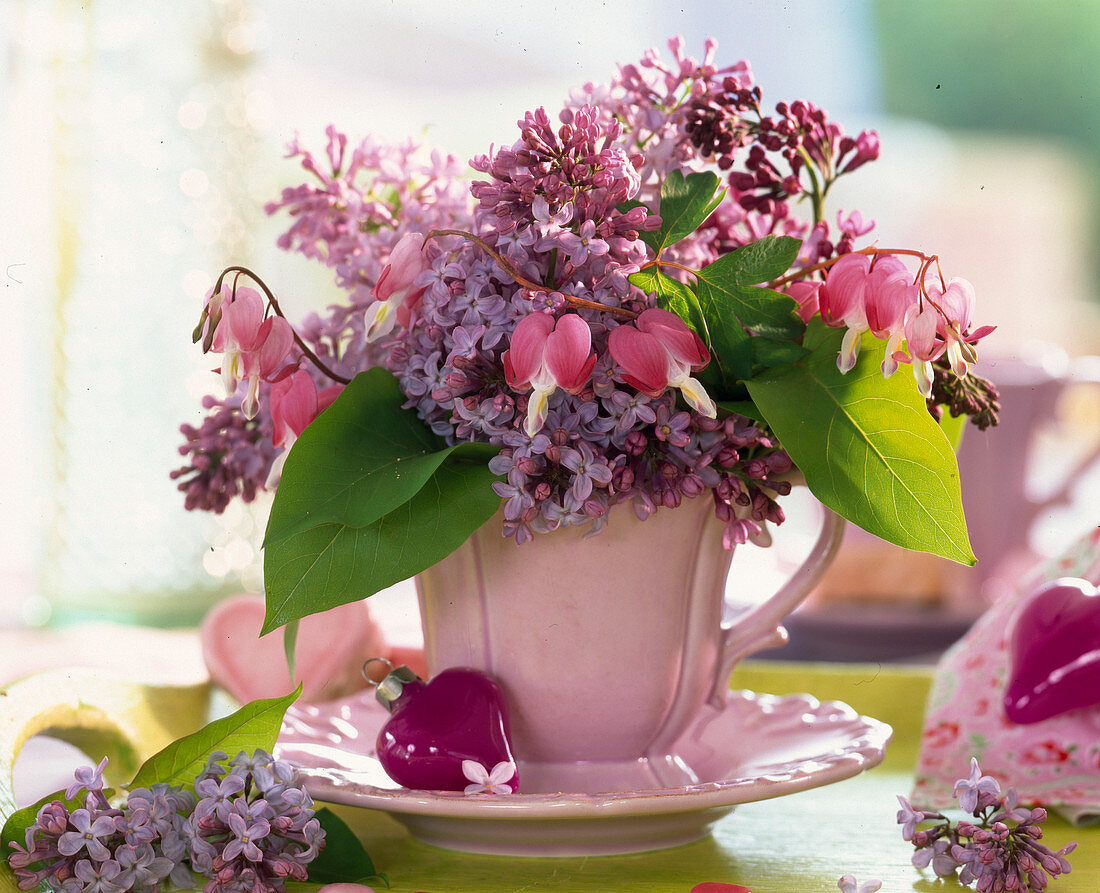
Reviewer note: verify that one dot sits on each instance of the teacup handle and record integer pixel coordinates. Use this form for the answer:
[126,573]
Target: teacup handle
[760,627]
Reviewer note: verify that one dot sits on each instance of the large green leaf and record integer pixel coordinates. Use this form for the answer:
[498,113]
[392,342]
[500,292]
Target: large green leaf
[255,725]
[343,860]
[867,446]
[359,460]
[729,295]
[685,204]
[332,564]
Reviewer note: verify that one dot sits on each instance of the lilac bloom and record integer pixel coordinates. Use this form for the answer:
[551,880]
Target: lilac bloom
[909,818]
[583,244]
[673,428]
[87,835]
[848,884]
[969,789]
[141,866]
[516,499]
[632,410]
[245,837]
[465,341]
[216,795]
[588,470]
[101,877]
[86,778]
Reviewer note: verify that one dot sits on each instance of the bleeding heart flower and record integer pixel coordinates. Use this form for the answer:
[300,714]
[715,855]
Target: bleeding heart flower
[545,355]
[956,302]
[253,347]
[294,404]
[396,294]
[842,303]
[659,351]
[1054,652]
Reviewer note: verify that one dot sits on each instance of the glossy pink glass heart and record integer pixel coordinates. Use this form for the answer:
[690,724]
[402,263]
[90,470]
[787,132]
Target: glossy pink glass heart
[1054,652]
[460,714]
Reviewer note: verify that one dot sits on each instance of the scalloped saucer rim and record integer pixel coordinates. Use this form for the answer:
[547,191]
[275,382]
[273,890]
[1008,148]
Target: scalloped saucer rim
[822,742]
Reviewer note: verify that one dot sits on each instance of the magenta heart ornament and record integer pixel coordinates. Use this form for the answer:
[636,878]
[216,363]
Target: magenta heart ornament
[440,728]
[1054,652]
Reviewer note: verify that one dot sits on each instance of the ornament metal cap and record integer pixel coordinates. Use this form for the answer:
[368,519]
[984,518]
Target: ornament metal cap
[389,690]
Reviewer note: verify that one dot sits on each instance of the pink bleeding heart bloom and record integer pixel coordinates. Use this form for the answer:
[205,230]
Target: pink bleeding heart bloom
[253,347]
[545,355]
[295,403]
[842,303]
[659,351]
[924,346]
[868,295]
[891,291]
[396,294]
[805,294]
[956,303]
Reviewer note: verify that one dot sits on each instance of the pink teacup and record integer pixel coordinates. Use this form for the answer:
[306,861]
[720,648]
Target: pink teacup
[608,646]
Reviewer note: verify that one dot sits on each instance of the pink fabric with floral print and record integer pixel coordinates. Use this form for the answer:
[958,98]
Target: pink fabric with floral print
[1055,762]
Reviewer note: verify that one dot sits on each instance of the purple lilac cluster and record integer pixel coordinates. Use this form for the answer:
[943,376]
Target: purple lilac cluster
[249,829]
[228,456]
[1000,850]
[100,849]
[554,223]
[253,828]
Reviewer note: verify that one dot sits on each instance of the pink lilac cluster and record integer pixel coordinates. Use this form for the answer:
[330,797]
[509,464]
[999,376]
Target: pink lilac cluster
[97,848]
[998,851]
[506,312]
[253,827]
[248,830]
[685,112]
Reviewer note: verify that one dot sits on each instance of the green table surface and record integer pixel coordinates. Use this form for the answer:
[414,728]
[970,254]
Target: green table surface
[801,843]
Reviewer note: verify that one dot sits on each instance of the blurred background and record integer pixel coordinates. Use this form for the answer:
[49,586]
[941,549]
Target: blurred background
[141,141]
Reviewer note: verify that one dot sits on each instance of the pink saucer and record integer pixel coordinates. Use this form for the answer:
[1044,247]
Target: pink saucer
[758,747]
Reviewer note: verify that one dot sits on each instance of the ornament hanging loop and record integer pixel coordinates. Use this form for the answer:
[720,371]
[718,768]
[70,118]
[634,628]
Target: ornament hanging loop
[374,660]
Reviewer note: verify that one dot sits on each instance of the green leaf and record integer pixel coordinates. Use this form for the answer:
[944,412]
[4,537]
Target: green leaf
[672,295]
[359,460]
[290,645]
[768,353]
[15,828]
[343,860]
[742,407]
[867,446]
[255,725]
[727,290]
[685,204]
[332,564]
[954,426]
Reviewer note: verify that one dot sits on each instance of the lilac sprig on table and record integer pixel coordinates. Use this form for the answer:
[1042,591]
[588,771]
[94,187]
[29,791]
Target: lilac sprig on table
[98,847]
[253,826]
[249,827]
[1000,850]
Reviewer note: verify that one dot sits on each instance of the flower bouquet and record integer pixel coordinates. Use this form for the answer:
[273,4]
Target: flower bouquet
[640,301]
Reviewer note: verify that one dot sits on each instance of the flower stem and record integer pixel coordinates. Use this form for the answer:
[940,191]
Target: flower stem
[927,260]
[274,304]
[520,279]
